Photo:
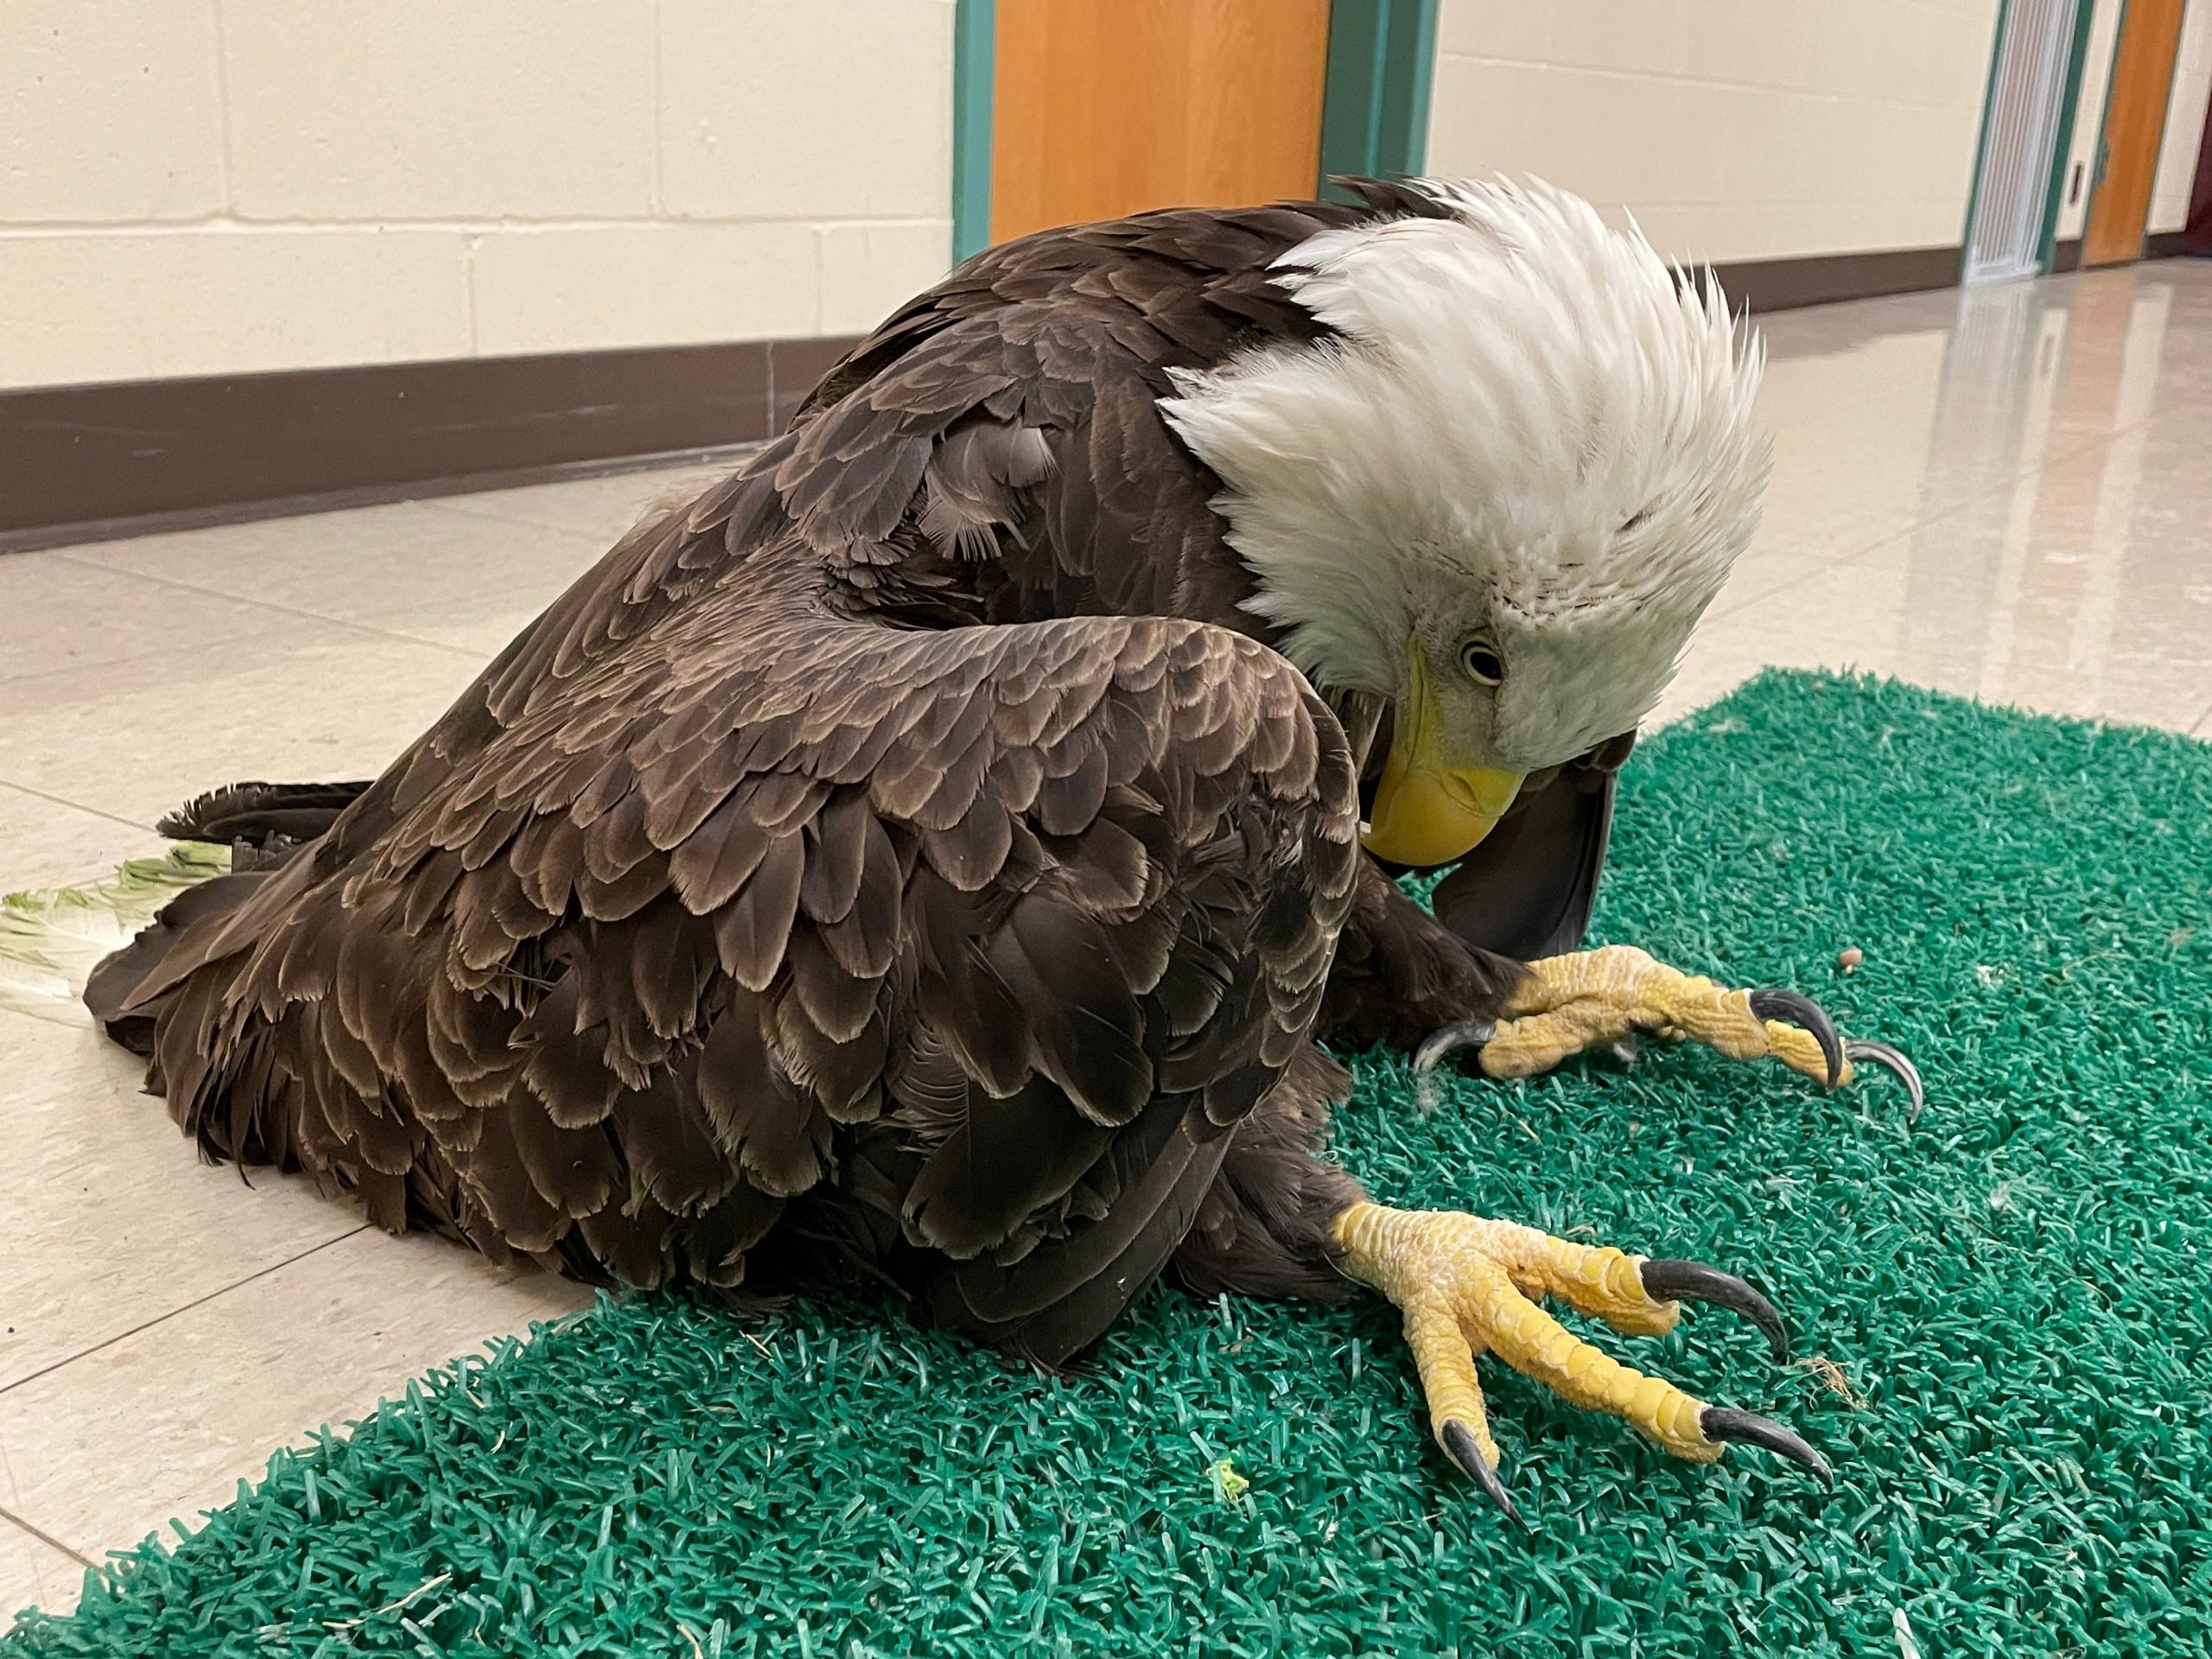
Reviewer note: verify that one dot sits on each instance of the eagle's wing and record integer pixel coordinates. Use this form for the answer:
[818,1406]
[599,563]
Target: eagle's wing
[749,873]
[698,905]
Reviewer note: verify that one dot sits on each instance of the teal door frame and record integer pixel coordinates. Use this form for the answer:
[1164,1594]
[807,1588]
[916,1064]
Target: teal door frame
[1374,103]
[975,56]
[1374,109]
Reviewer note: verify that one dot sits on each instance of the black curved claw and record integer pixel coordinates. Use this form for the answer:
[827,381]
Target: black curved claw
[1859,1050]
[1450,1039]
[1749,1428]
[1803,1011]
[1459,1442]
[1694,1281]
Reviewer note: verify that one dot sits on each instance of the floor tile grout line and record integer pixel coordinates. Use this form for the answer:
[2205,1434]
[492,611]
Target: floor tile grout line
[45,1537]
[482,516]
[70,555]
[734,454]
[1821,565]
[63,800]
[197,1301]
[353,623]
[1767,593]
[305,615]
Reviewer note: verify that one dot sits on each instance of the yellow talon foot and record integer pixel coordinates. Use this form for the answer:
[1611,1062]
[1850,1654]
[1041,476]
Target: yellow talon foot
[1605,997]
[1468,1286]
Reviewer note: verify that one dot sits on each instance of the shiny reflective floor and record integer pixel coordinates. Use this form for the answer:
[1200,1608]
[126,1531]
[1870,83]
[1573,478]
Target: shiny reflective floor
[2004,494]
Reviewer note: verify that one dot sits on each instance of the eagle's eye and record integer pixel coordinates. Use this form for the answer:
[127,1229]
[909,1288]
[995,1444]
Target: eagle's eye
[1480,659]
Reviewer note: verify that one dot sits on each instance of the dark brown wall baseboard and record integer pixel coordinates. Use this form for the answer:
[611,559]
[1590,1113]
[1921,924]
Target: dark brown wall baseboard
[85,463]
[1830,278]
[88,463]
[2067,255]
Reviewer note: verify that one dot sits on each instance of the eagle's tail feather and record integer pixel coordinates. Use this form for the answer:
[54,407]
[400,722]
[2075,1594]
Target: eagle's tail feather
[261,816]
[52,939]
[64,948]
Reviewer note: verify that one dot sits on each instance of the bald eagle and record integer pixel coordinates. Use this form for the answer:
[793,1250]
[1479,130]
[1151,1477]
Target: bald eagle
[931,854]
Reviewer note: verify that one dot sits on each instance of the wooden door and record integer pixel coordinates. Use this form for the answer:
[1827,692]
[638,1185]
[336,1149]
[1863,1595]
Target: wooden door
[2135,119]
[1105,107]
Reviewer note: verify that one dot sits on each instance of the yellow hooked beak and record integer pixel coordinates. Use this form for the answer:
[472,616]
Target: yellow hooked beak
[1427,812]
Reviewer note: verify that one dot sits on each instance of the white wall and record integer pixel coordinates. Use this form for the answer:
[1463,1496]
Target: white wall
[1733,129]
[2185,108]
[190,187]
[2089,116]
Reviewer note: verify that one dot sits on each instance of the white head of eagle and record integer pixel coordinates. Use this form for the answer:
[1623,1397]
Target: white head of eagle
[1501,489]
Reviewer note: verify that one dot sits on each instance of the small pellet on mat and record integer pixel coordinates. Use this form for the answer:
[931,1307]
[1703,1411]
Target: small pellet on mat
[2005,1340]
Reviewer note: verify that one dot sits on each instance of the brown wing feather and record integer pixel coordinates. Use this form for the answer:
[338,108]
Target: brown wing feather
[618,1077]
[745,879]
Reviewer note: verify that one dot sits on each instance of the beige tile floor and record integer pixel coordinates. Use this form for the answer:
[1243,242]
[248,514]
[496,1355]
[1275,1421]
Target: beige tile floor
[2006,494]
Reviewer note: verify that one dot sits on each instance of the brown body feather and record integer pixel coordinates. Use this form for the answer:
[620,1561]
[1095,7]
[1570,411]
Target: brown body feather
[907,857]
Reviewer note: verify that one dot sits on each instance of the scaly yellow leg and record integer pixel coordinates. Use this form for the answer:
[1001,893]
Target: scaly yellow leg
[1468,1286]
[1593,999]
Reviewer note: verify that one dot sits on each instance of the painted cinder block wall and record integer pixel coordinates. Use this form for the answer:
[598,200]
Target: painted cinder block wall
[191,187]
[1732,128]
[1767,129]
[196,186]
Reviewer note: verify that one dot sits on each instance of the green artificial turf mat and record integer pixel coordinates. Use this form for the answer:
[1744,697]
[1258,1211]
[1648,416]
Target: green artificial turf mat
[2012,1293]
